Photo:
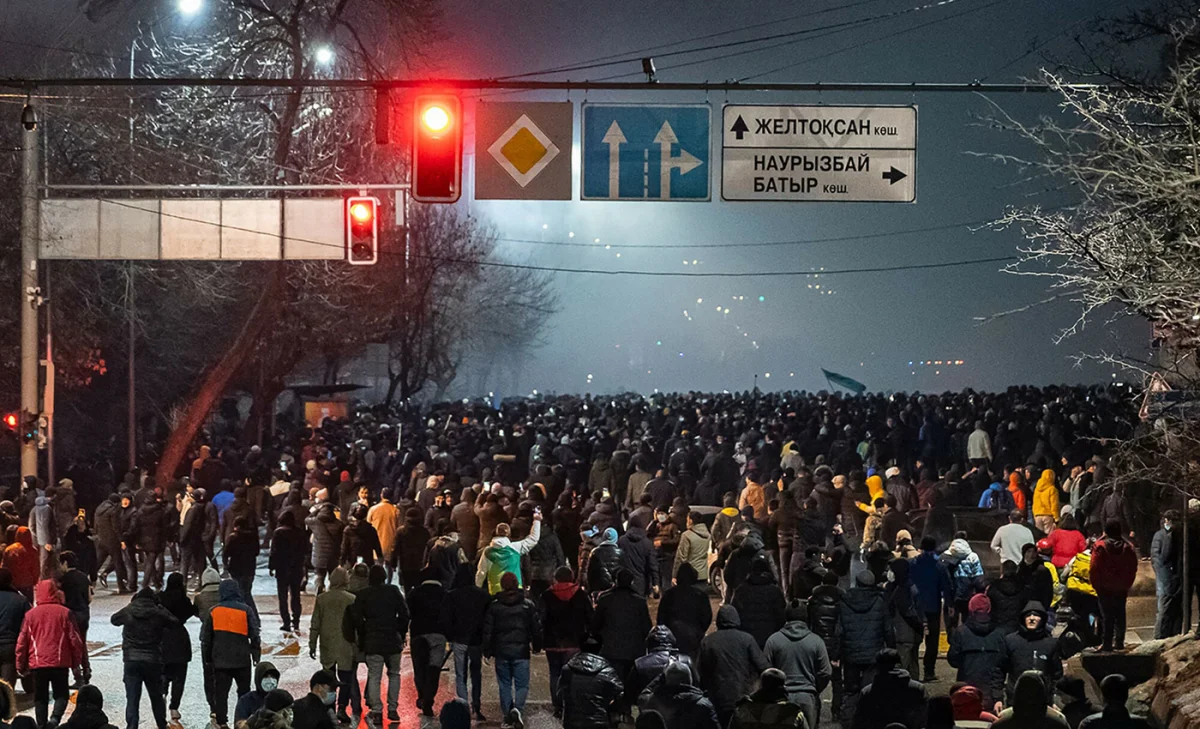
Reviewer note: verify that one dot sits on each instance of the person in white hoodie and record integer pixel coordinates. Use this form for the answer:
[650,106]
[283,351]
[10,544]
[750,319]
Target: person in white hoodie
[504,555]
[966,575]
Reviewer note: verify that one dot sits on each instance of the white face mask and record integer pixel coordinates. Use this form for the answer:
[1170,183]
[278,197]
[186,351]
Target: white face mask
[662,518]
[329,697]
[269,684]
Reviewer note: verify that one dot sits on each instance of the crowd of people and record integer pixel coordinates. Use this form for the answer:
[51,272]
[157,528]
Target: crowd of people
[599,531]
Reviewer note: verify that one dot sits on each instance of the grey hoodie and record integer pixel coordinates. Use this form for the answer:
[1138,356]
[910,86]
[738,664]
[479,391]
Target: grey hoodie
[801,655]
[41,522]
[210,592]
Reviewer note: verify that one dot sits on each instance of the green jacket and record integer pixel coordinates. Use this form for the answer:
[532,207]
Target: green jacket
[502,559]
[693,549]
[326,628]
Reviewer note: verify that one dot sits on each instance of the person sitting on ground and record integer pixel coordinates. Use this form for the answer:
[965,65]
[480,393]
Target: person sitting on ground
[1115,690]
[314,710]
[276,712]
[88,714]
[266,680]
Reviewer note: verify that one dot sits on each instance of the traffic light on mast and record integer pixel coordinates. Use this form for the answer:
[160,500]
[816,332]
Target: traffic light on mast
[362,231]
[437,149]
[11,421]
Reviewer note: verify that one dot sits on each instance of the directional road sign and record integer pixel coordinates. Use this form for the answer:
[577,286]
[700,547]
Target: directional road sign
[523,150]
[646,152]
[819,153]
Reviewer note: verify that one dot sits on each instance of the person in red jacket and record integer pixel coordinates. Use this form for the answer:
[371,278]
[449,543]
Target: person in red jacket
[49,645]
[1066,541]
[21,559]
[1114,567]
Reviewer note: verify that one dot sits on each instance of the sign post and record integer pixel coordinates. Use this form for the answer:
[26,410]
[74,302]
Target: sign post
[819,153]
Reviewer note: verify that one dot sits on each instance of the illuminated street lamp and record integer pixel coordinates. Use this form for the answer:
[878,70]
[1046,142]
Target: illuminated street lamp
[190,7]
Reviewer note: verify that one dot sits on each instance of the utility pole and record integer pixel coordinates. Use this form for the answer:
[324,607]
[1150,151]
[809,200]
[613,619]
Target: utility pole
[30,295]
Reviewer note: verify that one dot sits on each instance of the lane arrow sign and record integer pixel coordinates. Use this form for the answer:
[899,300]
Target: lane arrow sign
[614,138]
[685,161]
[894,175]
[739,127]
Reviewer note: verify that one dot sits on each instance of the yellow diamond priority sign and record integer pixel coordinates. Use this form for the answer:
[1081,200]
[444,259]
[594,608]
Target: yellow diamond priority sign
[522,151]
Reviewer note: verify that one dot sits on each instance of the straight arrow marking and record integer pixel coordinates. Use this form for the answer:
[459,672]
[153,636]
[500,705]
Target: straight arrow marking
[614,138]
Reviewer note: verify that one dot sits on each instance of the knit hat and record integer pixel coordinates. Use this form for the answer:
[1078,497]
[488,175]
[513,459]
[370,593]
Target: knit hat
[980,605]
[866,578]
[345,476]
[798,610]
[278,700]
[772,679]
[508,581]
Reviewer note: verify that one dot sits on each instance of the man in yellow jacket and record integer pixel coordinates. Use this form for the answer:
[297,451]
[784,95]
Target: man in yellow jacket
[1045,502]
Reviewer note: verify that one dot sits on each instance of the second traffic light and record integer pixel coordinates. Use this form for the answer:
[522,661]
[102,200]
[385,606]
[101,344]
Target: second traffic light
[362,231]
[437,149]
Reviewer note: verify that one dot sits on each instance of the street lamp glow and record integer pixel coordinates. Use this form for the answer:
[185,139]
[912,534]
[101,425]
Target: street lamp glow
[190,7]
[324,55]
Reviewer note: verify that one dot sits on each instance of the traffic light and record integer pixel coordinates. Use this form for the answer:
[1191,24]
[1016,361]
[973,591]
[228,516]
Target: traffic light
[362,231]
[11,421]
[437,149]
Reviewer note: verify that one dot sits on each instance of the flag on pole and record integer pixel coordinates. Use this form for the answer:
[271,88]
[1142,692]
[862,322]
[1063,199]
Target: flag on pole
[850,384]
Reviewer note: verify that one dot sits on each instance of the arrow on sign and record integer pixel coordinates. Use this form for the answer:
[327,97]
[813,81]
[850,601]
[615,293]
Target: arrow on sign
[614,138]
[739,127]
[685,162]
[894,175]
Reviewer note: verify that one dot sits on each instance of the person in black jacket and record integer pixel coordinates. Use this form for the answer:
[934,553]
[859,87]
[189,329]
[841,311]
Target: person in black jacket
[566,614]
[427,628]
[976,648]
[1032,648]
[13,606]
[682,705]
[660,653]
[864,628]
[77,597]
[212,526]
[241,557]
[465,608]
[638,557]
[893,698]
[1008,596]
[379,617]
[286,563]
[149,532]
[408,551]
[313,711]
[603,562]
[512,630]
[621,622]
[360,541]
[191,535]
[730,659]
[177,643]
[108,540]
[588,689]
[823,614]
[686,610]
[760,602]
[144,623]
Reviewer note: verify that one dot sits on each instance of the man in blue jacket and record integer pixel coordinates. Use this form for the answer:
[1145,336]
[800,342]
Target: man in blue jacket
[933,590]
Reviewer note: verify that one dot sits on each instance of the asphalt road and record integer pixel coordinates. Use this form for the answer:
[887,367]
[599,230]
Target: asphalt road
[290,656]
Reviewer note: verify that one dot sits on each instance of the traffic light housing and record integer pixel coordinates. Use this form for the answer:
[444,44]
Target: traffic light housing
[11,421]
[362,231]
[437,149]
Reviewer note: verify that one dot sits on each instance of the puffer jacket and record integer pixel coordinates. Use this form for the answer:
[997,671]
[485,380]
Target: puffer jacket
[661,652]
[1008,596]
[511,627]
[976,649]
[566,613]
[824,609]
[108,522]
[149,527]
[360,542]
[380,618]
[680,705]
[965,569]
[638,558]
[13,607]
[229,633]
[730,661]
[1114,566]
[761,605]
[326,537]
[801,655]
[21,558]
[545,558]
[1028,650]
[177,642]
[602,566]
[326,630]
[863,627]
[49,638]
[694,545]
[587,690]
[144,623]
[685,609]
[621,621]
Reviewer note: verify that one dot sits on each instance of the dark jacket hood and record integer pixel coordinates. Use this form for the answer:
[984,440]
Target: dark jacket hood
[727,618]
[262,670]
[660,639]
[862,599]
[230,591]
[588,664]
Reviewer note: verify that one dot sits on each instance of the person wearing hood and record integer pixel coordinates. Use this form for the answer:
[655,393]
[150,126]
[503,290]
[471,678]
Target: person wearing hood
[760,602]
[638,558]
[44,532]
[1075,703]
[907,618]
[380,618]
[504,556]
[337,652]
[967,704]
[603,563]
[144,623]
[1114,569]
[681,704]
[512,631]
[204,601]
[566,613]
[1037,575]
[729,660]
[737,556]
[621,621]
[1032,648]
[1115,690]
[266,680]
[1008,596]
[905,549]
[997,497]
[177,643]
[276,712]
[229,640]
[466,605]
[661,651]
[588,689]
[326,532]
[769,707]
[360,542]
[893,698]
[426,604]
[13,607]
[823,615]
[932,581]
[89,711]
[241,558]
[21,558]
[804,660]
[863,629]
[286,564]
[976,649]
[1045,502]
[966,576]
[726,519]
[1031,707]
[108,541]
[408,548]
[49,646]
[685,609]
[467,523]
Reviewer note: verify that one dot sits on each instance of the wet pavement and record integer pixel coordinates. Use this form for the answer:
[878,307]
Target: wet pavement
[290,655]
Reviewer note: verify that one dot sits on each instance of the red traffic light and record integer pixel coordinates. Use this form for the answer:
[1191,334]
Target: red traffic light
[362,231]
[11,420]
[437,149]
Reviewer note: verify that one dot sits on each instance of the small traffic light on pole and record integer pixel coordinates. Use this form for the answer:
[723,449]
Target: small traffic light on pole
[362,231]
[11,421]
[437,149]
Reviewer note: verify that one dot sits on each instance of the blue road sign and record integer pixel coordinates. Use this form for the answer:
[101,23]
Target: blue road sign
[646,152]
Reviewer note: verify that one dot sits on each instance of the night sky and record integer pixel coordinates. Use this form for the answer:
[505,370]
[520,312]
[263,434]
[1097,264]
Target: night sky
[633,333]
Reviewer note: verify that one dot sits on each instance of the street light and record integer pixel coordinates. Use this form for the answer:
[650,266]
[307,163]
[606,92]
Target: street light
[324,55]
[190,7]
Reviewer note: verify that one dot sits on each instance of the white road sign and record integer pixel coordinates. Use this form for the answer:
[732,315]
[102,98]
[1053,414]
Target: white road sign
[819,153]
